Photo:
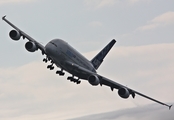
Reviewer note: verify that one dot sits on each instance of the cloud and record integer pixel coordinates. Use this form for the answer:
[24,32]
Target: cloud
[159,21]
[33,92]
[148,112]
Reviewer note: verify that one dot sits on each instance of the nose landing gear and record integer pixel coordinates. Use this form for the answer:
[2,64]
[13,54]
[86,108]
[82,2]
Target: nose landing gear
[51,67]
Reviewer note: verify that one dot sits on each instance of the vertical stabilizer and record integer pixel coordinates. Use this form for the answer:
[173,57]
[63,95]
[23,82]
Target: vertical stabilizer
[98,59]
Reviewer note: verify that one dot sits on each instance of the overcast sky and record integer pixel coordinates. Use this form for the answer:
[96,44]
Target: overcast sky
[142,58]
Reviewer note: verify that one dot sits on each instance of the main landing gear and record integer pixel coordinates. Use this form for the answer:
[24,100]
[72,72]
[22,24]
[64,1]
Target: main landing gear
[46,59]
[72,79]
[61,73]
[51,67]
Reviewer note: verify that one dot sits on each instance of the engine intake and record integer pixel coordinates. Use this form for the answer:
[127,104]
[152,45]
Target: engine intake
[15,35]
[123,92]
[31,46]
[93,80]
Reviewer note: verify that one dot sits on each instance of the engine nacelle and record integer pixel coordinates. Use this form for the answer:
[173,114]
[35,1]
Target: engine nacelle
[123,92]
[93,80]
[31,46]
[15,35]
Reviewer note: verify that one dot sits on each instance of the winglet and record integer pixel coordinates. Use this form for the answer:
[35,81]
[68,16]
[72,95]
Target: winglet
[3,17]
[170,107]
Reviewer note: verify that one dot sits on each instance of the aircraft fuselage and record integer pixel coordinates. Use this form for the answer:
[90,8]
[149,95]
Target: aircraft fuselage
[63,55]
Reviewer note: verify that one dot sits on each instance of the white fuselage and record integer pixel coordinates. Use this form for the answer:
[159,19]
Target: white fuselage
[62,53]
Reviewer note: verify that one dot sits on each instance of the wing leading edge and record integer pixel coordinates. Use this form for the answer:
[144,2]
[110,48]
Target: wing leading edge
[24,35]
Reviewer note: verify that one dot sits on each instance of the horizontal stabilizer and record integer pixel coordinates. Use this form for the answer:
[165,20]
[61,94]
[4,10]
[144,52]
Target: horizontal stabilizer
[98,59]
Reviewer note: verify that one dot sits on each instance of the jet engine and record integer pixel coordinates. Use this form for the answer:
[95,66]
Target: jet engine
[123,92]
[93,80]
[15,35]
[31,46]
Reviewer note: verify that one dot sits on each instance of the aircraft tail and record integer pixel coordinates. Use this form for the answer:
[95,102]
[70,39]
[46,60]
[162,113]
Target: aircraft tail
[98,59]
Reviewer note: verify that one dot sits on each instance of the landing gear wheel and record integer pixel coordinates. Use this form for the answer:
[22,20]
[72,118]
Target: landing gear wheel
[78,82]
[69,78]
[72,79]
[60,73]
[49,66]
[45,60]
[52,67]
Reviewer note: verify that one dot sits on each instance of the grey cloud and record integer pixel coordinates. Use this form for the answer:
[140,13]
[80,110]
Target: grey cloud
[159,21]
[148,112]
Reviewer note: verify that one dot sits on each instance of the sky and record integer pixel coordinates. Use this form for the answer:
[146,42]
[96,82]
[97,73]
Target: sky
[141,59]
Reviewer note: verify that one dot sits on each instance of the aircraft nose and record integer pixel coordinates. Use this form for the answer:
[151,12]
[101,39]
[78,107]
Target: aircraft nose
[52,49]
[49,48]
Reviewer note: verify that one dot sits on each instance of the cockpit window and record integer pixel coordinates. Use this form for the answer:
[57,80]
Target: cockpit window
[53,44]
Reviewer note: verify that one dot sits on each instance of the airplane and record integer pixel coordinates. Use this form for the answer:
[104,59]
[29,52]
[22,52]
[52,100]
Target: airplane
[65,57]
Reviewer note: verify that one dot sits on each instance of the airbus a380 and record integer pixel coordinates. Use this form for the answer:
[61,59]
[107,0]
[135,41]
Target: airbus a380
[62,55]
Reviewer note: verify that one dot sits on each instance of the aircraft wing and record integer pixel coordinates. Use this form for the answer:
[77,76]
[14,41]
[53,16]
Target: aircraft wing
[24,35]
[112,84]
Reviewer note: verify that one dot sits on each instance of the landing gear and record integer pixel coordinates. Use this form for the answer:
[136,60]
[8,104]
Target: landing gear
[78,82]
[69,78]
[61,73]
[45,60]
[51,67]
[72,79]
